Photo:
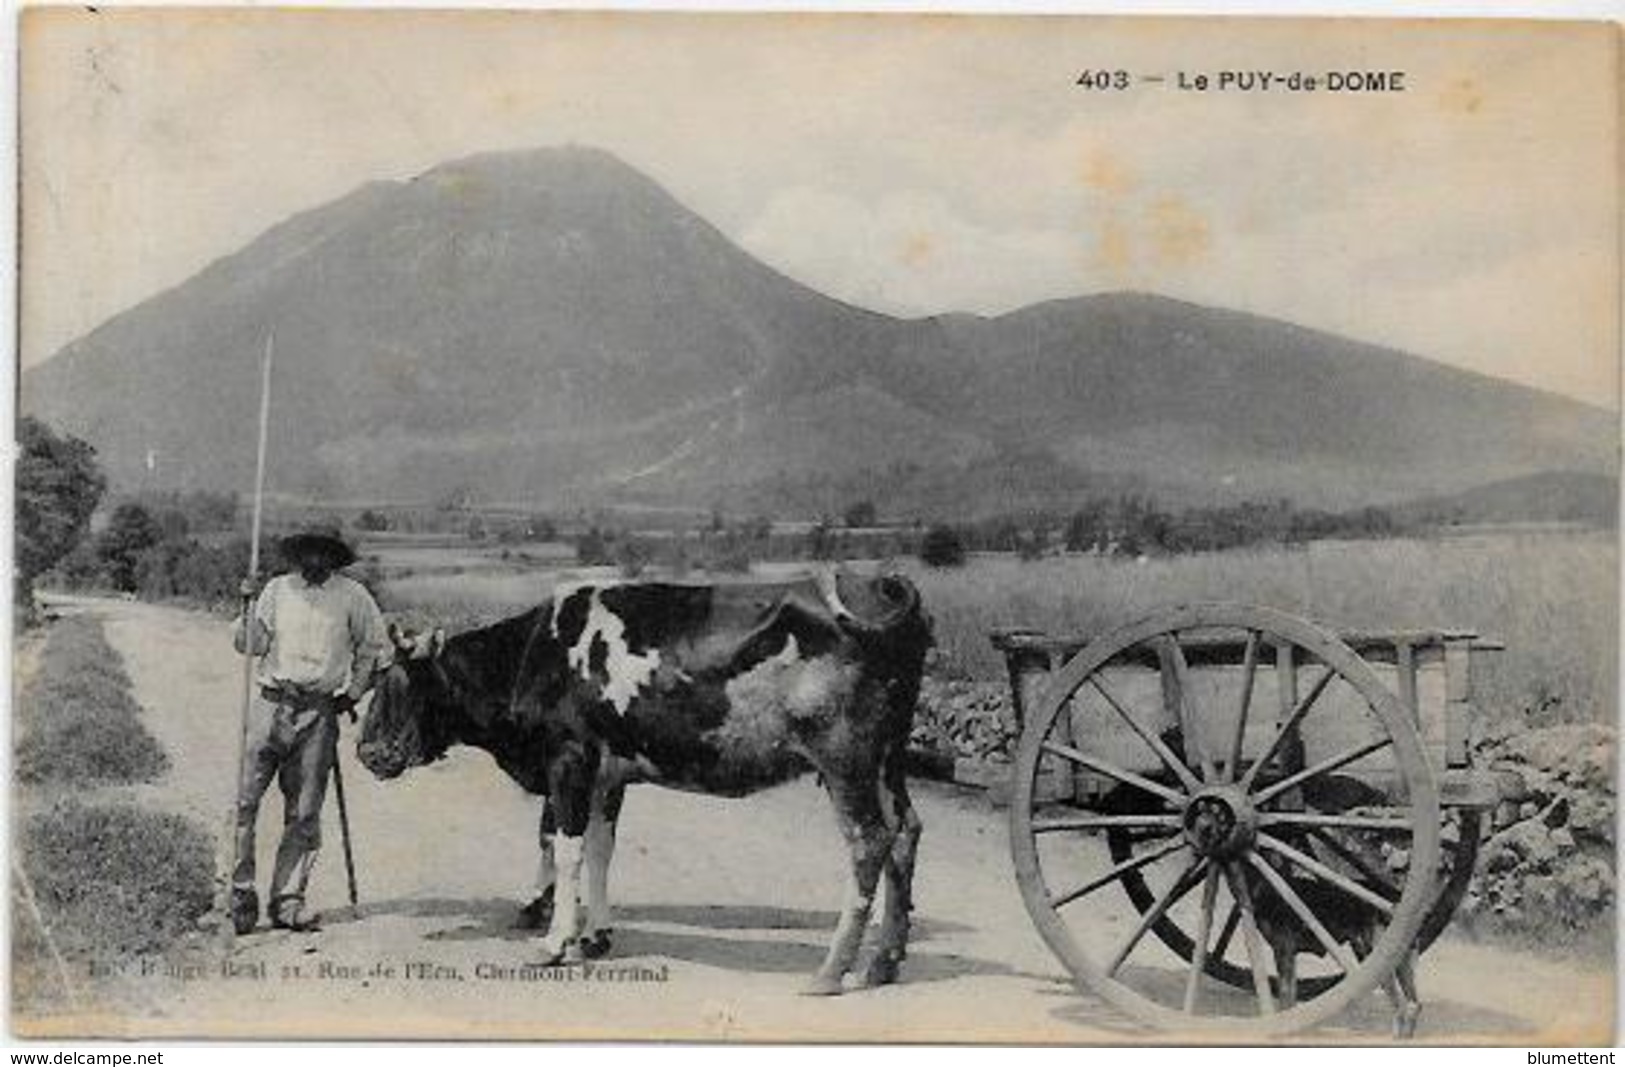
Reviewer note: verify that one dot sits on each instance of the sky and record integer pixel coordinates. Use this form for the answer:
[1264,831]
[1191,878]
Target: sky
[913,164]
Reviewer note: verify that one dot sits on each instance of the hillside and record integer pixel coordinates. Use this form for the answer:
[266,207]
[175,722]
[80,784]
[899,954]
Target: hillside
[1553,496]
[553,326]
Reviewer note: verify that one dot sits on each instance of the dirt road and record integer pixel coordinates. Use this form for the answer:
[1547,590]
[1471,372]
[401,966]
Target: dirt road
[724,908]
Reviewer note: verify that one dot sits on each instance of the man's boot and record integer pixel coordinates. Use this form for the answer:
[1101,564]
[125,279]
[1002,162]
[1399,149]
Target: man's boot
[245,909]
[287,913]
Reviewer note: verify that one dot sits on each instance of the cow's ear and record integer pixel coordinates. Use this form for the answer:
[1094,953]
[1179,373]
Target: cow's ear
[437,643]
[397,637]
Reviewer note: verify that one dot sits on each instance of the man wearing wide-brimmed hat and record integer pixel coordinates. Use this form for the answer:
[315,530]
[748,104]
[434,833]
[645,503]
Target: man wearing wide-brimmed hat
[319,637]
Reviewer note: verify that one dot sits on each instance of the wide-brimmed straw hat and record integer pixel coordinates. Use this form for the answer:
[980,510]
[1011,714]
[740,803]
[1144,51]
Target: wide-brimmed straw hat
[322,537]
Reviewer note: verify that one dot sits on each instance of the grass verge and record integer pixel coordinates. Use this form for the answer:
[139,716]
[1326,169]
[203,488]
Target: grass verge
[78,725]
[111,879]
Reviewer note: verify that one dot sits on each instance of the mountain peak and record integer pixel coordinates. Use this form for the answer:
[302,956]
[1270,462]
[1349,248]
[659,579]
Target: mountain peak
[569,161]
[523,321]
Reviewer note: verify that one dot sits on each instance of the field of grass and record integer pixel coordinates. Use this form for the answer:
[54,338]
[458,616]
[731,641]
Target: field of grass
[1551,599]
[1550,596]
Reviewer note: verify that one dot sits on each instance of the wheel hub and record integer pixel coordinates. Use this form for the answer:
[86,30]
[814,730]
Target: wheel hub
[1220,822]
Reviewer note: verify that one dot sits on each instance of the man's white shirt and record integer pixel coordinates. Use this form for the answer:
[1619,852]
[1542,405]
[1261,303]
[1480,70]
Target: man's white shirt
[325,638]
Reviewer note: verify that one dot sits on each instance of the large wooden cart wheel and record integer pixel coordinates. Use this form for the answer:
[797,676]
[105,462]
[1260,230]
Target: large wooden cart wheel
[1461,835]
[1229,808]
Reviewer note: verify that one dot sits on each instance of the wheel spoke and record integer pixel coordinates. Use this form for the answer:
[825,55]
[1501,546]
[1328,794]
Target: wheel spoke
[1314,866]
[1182,885]
[1164,753]
[1189,728]
[1144,859]
[1339,953]
[1255,944]
[1204,929]
[1249,670]
[1287,727]
[1358,862]
[1111,770]
[1369,823]
[1325,766]
[1168,822]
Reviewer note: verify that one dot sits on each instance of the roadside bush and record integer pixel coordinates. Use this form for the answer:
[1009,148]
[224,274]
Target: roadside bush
[81,569]
[79,726]
[115,879]
[131,531]
[58,486]
[191,570]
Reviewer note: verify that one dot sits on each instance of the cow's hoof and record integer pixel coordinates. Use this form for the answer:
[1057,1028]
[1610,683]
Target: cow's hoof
[596,945]
[1405,1021]
[822,985]
[882,970]
[561,955]
[538,914]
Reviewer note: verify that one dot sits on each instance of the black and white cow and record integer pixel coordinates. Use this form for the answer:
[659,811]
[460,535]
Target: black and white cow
[721,689]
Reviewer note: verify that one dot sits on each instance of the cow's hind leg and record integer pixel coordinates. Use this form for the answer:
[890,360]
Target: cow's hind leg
[600,850]
[1286,968]
[899,869]
[1407,1003]
[570,783]
[1399,987]
[538,913]
[868,840]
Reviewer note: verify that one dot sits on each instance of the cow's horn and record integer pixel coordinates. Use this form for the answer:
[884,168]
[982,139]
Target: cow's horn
[832,596]
[829,588]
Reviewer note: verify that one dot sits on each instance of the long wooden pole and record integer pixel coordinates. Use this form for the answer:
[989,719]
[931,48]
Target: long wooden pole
[223,904]
[248,589]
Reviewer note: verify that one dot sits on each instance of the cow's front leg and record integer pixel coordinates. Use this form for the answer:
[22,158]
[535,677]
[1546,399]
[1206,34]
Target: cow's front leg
[868,839]
[570,780]
[600,851]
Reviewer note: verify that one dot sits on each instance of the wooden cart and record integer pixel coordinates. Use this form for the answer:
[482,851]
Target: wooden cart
[1301,780]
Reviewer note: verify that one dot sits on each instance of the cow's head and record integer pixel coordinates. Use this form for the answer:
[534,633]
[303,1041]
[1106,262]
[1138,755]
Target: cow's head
[406,724]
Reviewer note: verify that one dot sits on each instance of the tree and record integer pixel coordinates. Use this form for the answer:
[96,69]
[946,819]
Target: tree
[372,521]
[1089,528]
[1030,543]
[457,498]
[861,514]
[593,548]
[942,547]
[820,541]
[541,528]
[58,487]
[130,532]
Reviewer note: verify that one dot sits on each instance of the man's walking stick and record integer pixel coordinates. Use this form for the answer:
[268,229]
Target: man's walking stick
[224,886]
[344,831]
